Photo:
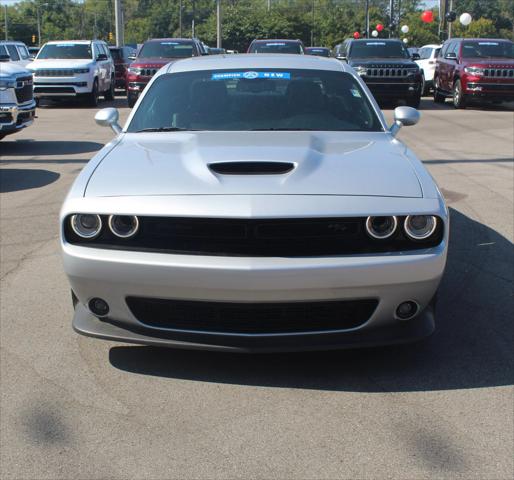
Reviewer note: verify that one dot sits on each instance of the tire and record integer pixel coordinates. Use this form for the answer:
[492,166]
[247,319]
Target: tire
[438,96]
[92,98]
[2,135]
[424,88]
[413,102]
[131,100]
[109,94]
[459,99]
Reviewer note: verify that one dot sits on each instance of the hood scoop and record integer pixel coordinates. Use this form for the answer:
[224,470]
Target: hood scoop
[251,168]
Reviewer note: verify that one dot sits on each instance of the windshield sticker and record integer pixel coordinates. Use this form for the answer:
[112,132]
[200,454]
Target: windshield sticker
[275,44]
[488,43]
[170,43]
[66,44]
[251,75]
[355,93]
[375,43]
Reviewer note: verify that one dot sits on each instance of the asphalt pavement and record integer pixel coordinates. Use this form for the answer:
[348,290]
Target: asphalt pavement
[74,407]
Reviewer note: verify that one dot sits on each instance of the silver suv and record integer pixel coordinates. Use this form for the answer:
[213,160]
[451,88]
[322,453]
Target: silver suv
[15,52]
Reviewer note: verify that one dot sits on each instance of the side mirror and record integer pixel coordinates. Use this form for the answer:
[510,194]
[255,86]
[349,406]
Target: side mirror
[131,57]
[404,116]
[108,117]
[415,56]
[101,57]
[342,58]
[451,56]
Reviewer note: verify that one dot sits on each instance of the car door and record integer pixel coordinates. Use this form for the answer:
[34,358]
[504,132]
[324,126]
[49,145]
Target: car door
[101,67]
[13,53]
[445,67]
[109,64]
[453,66]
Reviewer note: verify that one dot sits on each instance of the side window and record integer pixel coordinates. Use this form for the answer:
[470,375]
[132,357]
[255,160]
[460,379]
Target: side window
[437,51]
[456,48]
[423,53]
[96,51]
[24,53]
[444,49]
[13,53]
[3,51]
[106,50]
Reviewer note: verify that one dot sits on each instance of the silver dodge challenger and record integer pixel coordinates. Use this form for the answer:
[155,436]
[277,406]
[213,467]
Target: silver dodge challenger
[255,203]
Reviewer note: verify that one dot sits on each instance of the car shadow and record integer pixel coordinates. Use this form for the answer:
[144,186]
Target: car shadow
[13,179]
[471,348]
[118,102]
[41,148]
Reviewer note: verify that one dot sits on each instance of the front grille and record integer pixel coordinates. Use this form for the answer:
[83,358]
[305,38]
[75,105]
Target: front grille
[251,318]
[288,237]
[24,92]
[499,72]
[5,118]
[492,87]
[54,73]
[149,72]
[396,71]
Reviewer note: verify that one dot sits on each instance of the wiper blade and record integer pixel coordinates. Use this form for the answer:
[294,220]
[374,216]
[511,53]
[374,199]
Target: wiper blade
[167,129]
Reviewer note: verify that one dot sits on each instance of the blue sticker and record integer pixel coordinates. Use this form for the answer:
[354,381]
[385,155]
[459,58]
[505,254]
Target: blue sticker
[251,75]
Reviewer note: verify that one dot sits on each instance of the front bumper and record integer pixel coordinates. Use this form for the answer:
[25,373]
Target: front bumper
[15,117]
[491,90]
[388,90]
[48,87]
[390,279]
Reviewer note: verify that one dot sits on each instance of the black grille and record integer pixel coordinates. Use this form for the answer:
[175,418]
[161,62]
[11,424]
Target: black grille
[291,237]
[54,73]
[499,72]
[24,89]
[251,318]
[54,89]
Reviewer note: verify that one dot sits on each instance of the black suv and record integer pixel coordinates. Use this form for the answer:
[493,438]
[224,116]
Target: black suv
[386,66]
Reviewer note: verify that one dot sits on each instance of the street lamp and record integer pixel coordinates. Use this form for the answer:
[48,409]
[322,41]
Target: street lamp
[39,22]
[5,20]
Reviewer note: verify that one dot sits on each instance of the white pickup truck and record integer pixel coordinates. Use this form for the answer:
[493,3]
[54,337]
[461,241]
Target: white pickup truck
[17,105]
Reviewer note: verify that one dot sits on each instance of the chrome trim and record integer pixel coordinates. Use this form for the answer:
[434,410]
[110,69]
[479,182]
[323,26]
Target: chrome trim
[15,110]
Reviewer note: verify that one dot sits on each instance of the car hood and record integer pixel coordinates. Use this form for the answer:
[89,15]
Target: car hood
[318,163]
[60,63]
[7,69]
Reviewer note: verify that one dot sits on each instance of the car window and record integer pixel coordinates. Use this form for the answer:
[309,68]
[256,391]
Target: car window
[3,50]
[487,49]
[275,47]
[24,53]
[456,48]
[444,49]
[261,99]
[378,49]
[13,53]
[166,49]
[437,51]
[65,50]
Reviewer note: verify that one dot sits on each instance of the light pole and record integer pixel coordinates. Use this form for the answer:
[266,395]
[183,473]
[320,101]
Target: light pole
[5,21]
[38,16]
[218,23]
[180,19]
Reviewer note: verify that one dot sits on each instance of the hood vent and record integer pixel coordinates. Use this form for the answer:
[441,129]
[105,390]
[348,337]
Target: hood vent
[251,168]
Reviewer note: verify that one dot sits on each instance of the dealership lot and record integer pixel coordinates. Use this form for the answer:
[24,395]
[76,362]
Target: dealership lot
[76,407]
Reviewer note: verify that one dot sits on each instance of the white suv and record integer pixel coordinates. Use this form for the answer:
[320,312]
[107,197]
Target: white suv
[15,52]
[426,62]
[17,106]
[76,68]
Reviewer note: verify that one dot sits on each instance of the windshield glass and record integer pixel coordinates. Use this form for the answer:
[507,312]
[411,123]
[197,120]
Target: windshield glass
[378,49]
[166,49]
[322,52]
[65,50]
[261,99]
[275,47]
[116,53]
[487,49]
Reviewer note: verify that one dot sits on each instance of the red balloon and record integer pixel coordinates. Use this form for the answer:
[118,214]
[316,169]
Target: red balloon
[427,16]
[356,34]
[379,27]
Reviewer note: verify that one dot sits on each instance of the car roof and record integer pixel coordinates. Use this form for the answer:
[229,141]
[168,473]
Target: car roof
[361,40]
[479,40]
[17,42]
[432,45]
[290,40]
[257,60]
[171,40]
[53,42]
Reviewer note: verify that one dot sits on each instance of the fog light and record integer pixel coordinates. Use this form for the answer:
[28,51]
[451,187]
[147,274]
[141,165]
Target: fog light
[407,310]
[98,307]
[381,227]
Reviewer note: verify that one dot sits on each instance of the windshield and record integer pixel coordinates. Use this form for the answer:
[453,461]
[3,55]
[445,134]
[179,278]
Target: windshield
[166,49]
[487,49]
[116,53]
[378,49]
[65,50]
[322,52]
[275,47]
[241,100]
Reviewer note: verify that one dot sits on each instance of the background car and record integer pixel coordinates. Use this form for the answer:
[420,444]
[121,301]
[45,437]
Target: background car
[122,58]
[77,68]
[474,68]
[216,51]
[319,51]
[17,105]
[17,51]
[427,62]
[276,46]
[173,234]
[152,56]
[387,68]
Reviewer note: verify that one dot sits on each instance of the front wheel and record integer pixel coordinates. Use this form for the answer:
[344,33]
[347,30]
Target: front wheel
[131,100]
[109,94]
[438,96]
[414,102]
[459,99]
[92,98]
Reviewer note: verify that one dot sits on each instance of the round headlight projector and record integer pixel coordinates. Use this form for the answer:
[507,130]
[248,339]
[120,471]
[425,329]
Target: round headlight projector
[124,226]
[381,227]
[420,227]
[86,225]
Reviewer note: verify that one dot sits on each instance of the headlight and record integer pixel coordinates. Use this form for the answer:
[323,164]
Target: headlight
[81,70]
[420,227]
[135,70]
[7,82]
[361,70]
[86,225]
[381,227]
[474,71]
[124,226]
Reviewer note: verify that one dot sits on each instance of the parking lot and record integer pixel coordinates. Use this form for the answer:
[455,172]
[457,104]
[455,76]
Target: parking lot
[74,407]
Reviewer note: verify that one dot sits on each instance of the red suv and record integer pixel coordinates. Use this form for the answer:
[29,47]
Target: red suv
[121,57]
[474,68]
[153,55]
